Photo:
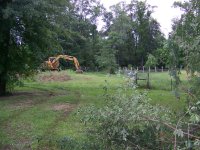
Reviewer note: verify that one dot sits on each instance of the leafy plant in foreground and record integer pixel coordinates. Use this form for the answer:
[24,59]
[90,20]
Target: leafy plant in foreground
[128,121]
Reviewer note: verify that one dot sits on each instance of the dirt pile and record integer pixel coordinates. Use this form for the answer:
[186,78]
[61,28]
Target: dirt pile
[53,77]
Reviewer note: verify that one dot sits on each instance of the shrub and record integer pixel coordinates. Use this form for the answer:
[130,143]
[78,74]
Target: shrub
[151,61]
[128,121]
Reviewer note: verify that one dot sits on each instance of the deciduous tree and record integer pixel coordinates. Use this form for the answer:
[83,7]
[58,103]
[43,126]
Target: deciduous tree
[27,32]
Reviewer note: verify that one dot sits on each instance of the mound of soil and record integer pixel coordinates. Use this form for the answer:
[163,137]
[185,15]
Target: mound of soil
[54,77]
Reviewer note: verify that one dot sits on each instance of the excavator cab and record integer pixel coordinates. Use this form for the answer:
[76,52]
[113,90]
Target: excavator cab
[51,59]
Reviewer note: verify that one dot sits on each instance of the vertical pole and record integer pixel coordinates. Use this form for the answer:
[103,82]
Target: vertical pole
[143,69]
[119,71]
[148,83]
[171,84]
[149,69]
[181,67]
[137,68]
[162,68]
[136,78]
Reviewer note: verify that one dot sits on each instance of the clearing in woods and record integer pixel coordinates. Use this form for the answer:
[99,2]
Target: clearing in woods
[41,112]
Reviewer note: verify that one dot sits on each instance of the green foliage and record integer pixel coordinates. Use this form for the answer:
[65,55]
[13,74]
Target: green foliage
[184,44]
[185,37]
[129,120]
[106,58]
[125,122]
[163,55]
[133,33]
[186,34]
[81,38]
[151,61]
[27,31]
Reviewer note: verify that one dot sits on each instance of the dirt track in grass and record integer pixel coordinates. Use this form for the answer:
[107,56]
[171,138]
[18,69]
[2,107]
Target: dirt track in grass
[22,104]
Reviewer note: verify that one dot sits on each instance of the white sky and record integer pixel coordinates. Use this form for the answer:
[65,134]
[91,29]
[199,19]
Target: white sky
[164,13]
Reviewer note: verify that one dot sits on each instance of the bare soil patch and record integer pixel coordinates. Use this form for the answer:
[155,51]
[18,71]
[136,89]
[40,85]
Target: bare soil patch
[67,108]
[27,99]
[54,77]
[19,94]
[23,104]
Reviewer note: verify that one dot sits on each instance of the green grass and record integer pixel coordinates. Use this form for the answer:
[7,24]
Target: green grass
[28,119]
[162,91]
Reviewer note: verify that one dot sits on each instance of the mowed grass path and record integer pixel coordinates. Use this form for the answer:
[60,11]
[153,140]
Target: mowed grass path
[41,112]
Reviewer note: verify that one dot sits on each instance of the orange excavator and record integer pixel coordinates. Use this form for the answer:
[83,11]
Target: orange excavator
[53,62]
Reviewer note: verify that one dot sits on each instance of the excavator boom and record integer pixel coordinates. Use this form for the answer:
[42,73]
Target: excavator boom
[53,62]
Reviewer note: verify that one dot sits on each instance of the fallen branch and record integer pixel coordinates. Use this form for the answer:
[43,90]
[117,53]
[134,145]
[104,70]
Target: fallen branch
[171,127]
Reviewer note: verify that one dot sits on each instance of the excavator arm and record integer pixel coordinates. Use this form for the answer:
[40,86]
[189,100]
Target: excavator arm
[53,62]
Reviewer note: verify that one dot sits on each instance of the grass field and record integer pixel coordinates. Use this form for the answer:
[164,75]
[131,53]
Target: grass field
[41,112]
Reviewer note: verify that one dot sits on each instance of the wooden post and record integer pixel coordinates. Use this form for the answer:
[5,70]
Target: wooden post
[136,78]
[124,69]
[119,71]
[155,68]
[162,68]
[143,69]
[148,83]
[181,67]
[171,84]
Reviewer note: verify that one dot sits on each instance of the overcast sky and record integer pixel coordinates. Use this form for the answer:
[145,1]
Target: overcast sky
[164,12]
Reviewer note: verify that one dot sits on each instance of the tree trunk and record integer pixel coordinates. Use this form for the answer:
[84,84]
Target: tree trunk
[2,86]
[4,50]
[142,61]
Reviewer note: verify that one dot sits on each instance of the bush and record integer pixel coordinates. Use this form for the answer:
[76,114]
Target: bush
[128,121]
[151,61]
